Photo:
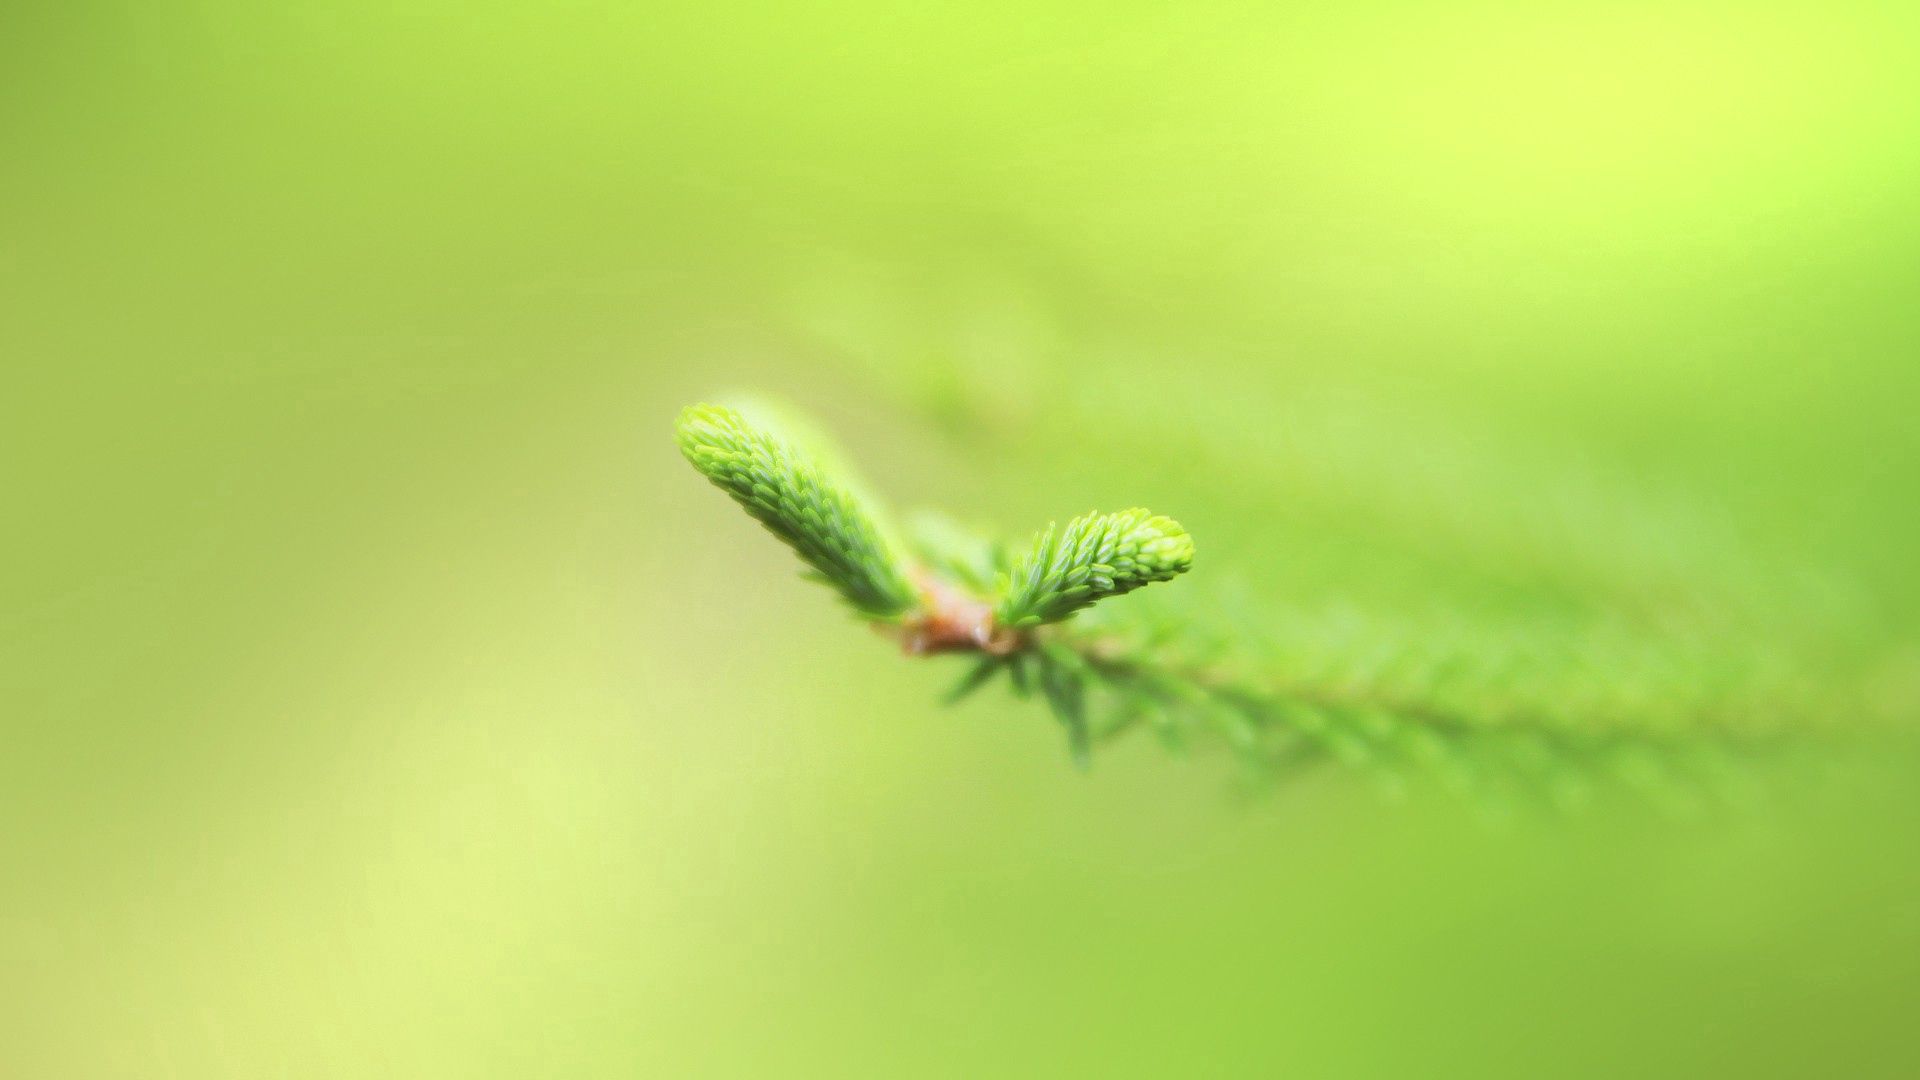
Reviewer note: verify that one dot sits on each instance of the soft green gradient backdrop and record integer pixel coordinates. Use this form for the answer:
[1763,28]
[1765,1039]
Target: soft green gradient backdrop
[384,697]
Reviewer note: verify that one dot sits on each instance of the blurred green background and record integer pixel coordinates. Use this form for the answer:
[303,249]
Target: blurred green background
[383,696]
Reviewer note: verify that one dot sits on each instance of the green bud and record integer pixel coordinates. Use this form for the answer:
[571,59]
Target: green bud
[1094,557]
[787,491]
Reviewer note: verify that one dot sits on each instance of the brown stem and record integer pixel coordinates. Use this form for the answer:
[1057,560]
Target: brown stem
[953,621]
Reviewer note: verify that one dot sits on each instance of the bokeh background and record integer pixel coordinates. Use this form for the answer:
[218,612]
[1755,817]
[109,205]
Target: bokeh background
[384,697]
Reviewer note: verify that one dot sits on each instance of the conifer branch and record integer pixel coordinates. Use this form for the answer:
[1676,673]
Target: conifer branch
[1471,730]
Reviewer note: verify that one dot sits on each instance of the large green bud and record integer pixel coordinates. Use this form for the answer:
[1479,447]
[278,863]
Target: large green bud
[787,491]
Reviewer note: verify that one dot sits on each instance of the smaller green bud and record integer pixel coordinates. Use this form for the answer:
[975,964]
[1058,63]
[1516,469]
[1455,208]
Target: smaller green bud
[1094,557]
